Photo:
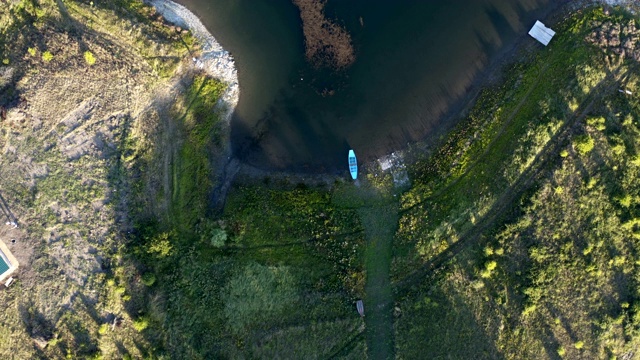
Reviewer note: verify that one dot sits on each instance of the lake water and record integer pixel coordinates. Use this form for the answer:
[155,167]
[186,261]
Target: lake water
[415,60]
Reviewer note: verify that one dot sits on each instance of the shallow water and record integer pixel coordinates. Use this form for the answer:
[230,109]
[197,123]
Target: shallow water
[415,60]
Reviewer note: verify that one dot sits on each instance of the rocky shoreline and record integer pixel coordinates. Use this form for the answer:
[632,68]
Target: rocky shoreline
[215,60]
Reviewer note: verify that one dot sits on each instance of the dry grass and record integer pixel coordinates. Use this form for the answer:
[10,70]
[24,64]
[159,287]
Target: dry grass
[62,151]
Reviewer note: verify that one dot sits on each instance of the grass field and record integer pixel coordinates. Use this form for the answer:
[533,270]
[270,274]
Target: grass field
[515,226]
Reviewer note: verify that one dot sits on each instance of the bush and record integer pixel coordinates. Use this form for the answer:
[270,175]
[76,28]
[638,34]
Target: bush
[561,351]
[47,56]
[597,123]
[103,329]
[583,144]
[211,232]
[89,58]
[488,269]
[218,237]
[161,245]
[149,279]
[141,323]
[32,51]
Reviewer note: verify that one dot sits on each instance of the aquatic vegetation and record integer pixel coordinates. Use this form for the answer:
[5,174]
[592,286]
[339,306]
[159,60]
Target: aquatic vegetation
[326,42]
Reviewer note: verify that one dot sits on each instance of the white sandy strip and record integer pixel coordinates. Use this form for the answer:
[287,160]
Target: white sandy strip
[216,61]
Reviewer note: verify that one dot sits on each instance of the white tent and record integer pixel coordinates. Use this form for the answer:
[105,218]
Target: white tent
[542,33]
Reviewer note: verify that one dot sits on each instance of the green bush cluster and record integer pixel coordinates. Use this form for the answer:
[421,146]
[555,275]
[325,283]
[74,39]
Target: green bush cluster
[47,56]
[583,144]
[89,58]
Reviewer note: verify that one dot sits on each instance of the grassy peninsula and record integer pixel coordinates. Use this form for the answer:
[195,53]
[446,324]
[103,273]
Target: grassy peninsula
[518,237]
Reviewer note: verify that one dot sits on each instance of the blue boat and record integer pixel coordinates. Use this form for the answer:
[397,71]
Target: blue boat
[353,165]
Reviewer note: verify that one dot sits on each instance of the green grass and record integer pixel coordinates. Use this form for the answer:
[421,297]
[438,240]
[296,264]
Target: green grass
[192,172]
[539,201]
[509,126]
[266,281]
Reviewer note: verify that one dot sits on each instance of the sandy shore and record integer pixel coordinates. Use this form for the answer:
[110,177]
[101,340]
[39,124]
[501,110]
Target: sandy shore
[215,60]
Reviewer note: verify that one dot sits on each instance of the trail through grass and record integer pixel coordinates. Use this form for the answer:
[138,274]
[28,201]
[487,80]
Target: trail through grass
[378,213]
[379,223]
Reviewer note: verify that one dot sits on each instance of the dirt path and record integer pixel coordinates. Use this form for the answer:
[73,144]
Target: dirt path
[378,212]
[380,223]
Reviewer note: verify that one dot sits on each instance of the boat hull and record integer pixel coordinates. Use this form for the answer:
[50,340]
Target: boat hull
[353,165]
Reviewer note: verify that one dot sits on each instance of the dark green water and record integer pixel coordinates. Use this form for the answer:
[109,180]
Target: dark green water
[415,62]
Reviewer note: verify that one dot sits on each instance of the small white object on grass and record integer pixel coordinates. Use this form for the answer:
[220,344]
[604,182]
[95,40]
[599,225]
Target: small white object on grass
[542,33]
[9,281]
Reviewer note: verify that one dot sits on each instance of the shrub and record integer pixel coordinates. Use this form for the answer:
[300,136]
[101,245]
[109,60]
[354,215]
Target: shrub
[561,351]
[529,309]
[120,290]
[5,61]
[597,123]
[47,56]
[579,345]
[625,201]
[161,245]
[583,144]
[210,232]
[488,251]
[89,58]
[103,329]
[218,237]
[149,279]
[32,51]
[141,323]
[488,269]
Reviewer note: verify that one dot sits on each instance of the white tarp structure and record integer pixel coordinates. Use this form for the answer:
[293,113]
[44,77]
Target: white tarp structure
[542,33]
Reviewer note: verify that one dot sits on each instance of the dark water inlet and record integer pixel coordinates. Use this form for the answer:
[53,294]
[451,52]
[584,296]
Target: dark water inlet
[415,60]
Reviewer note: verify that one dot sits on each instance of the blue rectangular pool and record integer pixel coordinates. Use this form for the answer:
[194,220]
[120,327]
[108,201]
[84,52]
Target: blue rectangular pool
[3,265]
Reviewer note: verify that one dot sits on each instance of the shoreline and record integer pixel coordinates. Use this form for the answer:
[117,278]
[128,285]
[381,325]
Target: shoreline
[215,60]
[219,63]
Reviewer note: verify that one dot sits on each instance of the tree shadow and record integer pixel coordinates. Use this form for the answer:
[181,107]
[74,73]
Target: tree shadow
[6,210]
[36,323]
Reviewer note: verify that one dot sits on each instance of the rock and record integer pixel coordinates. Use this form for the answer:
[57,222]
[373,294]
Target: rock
[40,342]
